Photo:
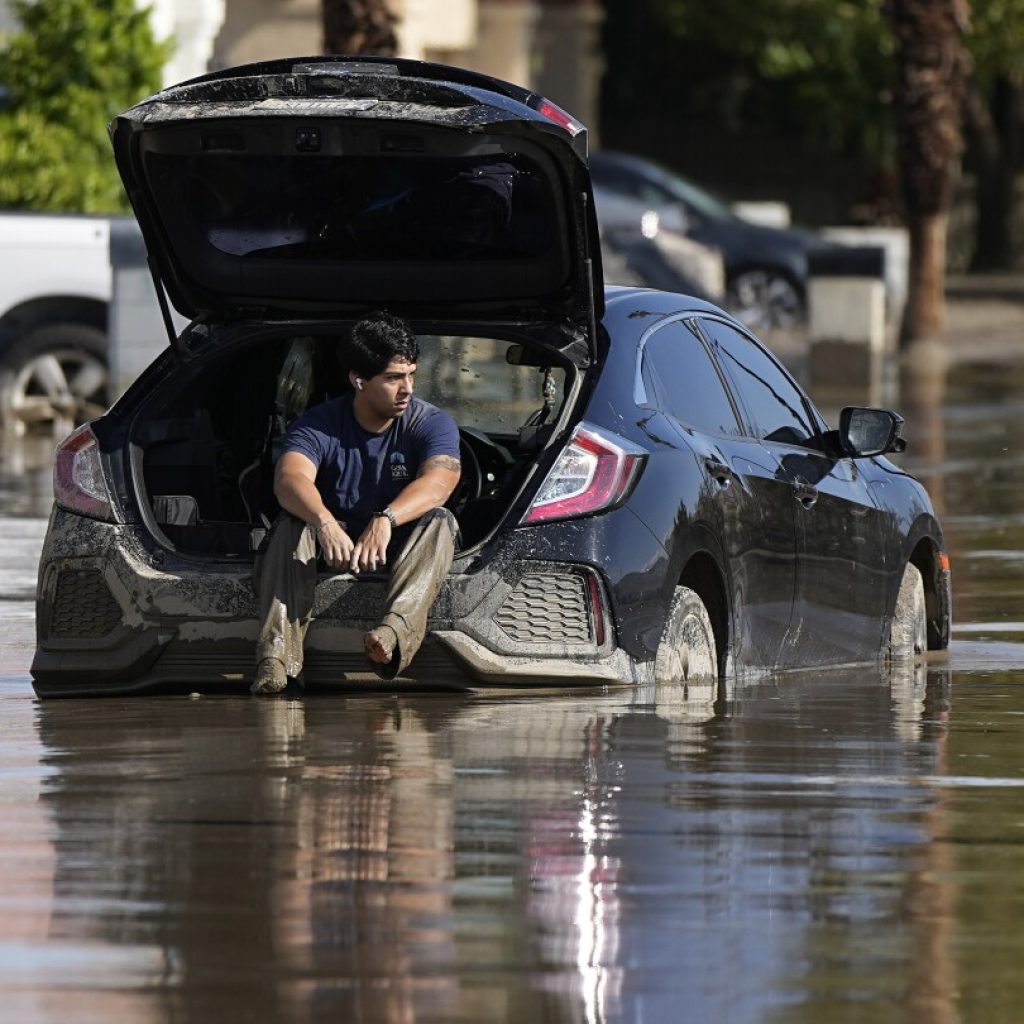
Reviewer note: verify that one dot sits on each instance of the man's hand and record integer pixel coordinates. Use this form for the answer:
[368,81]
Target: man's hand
[372,547]
[335,544]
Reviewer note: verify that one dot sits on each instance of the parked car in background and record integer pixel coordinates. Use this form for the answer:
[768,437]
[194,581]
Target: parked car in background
[765,267]
[637,249]
[646,493]
[55,289]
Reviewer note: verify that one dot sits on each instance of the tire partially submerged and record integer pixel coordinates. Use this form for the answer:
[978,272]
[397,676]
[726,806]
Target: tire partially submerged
[687,653]
[908,632]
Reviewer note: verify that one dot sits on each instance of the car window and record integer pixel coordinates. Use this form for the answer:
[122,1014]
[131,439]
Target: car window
[471,379]
[629,183]
[609,176]
[681,380]
[657,196]
[773,403]
[385,207]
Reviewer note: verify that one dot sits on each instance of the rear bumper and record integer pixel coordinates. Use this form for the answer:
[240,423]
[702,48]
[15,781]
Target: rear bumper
[483,665]
[109,620]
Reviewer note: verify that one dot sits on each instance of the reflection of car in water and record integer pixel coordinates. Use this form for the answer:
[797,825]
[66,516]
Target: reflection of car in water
[494,859]
[765,267]
[646,492]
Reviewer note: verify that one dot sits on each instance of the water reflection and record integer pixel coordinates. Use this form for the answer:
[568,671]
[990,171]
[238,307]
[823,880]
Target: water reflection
[455,859]
[26,470]
[823,847]
[964,422]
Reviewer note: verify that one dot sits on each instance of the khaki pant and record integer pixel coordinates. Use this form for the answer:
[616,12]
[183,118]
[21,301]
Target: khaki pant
[285,579]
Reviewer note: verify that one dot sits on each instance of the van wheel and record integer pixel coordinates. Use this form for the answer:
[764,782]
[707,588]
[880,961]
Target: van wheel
[908,632]
[687,653]
[52,379]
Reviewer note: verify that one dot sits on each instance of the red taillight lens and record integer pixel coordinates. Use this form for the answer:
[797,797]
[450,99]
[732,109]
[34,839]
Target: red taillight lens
[78,480]
[594,472]
[554,113]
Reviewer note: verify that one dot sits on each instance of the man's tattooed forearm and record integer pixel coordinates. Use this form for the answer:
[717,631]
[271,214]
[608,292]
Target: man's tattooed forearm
[443,462]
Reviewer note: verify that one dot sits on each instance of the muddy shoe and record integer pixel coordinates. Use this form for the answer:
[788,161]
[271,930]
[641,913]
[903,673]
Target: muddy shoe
[270,677]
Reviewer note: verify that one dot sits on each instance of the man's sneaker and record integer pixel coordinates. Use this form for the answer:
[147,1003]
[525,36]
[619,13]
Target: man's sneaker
[270,677]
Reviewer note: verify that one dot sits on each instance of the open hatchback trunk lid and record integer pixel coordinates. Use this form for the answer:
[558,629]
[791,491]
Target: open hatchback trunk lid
[327,186]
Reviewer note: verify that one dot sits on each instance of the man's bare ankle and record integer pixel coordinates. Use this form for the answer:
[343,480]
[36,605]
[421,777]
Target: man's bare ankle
[380,643]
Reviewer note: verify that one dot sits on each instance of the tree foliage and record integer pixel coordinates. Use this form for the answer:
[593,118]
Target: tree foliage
[70,68]
[996,40]
[821,68]
[826,65]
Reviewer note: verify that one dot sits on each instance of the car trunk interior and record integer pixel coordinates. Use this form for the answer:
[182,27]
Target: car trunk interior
[207,442]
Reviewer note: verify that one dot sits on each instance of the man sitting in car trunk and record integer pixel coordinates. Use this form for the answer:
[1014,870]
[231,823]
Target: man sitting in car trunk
[362,479]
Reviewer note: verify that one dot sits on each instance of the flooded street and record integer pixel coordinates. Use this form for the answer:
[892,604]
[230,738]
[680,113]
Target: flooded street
[833,846]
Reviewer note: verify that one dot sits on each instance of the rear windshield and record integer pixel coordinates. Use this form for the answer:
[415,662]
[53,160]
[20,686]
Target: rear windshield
[361,208]
[472,379]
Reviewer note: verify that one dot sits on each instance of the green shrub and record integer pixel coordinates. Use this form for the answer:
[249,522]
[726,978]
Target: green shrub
[70,68]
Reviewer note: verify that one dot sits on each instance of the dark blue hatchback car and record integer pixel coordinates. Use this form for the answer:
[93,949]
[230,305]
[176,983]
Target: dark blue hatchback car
[646,493]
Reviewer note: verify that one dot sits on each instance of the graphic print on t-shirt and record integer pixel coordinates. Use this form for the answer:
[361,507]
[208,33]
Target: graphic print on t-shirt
[398,467]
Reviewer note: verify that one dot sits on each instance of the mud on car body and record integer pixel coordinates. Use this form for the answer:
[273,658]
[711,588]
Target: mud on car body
[645,492]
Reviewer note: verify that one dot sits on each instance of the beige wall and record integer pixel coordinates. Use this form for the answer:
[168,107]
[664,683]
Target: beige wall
[435,27]
[193,25]
[568,58]
[264,29]
[551,46]
[504,43]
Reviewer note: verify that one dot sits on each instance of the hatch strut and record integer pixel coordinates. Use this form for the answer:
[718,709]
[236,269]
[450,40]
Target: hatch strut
[165,312]
[588,266]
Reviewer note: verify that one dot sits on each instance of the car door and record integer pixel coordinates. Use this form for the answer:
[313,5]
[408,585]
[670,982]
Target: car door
[840,573]
[742,502]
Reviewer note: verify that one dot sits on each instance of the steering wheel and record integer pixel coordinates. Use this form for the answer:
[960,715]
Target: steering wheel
[471,482]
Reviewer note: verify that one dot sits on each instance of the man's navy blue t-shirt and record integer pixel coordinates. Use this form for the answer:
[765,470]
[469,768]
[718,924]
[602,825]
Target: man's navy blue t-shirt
[359,472]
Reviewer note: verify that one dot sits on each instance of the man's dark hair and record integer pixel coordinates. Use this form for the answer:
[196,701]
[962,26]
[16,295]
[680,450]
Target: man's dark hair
[375,341]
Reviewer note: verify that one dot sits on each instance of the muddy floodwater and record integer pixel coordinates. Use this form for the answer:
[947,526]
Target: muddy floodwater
[830,846]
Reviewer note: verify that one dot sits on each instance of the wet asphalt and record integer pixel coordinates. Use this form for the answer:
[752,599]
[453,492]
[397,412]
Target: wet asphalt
[828,846]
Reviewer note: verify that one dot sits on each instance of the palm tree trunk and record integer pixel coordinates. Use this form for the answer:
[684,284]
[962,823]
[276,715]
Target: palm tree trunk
[359,26]
[924,313]
[932,66]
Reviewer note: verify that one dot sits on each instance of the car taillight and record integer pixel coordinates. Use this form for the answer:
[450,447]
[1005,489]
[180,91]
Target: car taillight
[594,472]
[78,480]
[561,117]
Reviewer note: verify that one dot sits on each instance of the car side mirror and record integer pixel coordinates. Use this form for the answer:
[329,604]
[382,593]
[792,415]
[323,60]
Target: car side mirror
[865,432]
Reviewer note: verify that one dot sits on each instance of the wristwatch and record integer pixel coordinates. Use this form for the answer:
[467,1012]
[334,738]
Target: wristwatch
[388,514]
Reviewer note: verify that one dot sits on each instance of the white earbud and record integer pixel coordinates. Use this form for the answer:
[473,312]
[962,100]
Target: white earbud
[359,383]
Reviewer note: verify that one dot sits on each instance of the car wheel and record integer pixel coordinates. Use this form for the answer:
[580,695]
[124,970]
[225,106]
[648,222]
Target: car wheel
[763,300]
[53,379]
[687,652]
[908,633]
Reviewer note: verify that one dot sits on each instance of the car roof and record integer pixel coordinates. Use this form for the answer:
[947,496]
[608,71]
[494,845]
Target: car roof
[617,297]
